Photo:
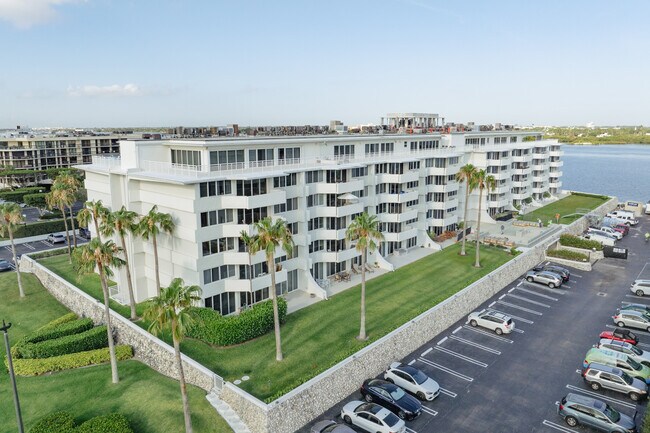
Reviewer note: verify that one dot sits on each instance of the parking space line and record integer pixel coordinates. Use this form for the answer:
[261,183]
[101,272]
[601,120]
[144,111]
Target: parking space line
[447,392]
[457,329]
[557,427]
[30,246]
[446,370]
[515,317]
[427,351]
[635,303]
[542,287]
[490,306]
[530,301]
[520,283]
[642,270]
[520,308]
[647,346]
[576,275]
[410,430]
[510,291]
[603,263]
[636,331]
[566,286]
[636,297]
[521,331]
[429,411]
[601,396]
[460,356]
[502,296]
[532,292]
[47,244]
[442,341]
[8,248]
[412,362]
[479,346]
[488,334]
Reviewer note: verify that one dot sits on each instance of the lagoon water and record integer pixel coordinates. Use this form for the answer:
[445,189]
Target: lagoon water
[619,170]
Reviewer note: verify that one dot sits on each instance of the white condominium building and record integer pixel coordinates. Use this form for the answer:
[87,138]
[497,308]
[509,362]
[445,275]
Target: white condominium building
[217,188]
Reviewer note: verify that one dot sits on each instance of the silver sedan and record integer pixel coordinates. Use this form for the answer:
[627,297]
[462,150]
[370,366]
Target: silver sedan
[544,277]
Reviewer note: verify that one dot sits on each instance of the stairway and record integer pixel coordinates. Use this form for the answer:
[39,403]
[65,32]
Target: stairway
[227,413]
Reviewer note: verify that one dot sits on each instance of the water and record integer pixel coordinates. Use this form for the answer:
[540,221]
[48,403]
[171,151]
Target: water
[618,170]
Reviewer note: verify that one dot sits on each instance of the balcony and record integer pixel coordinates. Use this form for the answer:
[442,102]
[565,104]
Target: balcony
[522,171]
[351,186]
[402,236]
[556,184]
[556,163]
[398,217]
[402,197]
[262,281]
[541,167]
[334,256]
[522,158]
[273,197]
[443,222]
[556,152]
[553,174]
[335,211]
[520,195]
[498,203]
[326,234]
[409,176]
[501,189]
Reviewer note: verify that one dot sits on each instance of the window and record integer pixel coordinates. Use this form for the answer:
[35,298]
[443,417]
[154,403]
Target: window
[288,155]
[250,216]
[314,176]
[372,148]
[260,157]
[208,218]
[249,188]
[210,189]
[344,150]
[227,158]
[219,245]
[360,172]
[224,303]
[186,157]
[218,273]
[282,181]
[414,165]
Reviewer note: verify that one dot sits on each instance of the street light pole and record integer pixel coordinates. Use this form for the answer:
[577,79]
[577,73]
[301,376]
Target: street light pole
[5,327]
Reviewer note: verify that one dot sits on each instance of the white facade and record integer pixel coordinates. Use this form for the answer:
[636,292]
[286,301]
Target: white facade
[215,188]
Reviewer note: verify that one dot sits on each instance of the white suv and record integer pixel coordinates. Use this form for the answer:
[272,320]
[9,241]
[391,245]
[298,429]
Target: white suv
[640,287]
[497,322]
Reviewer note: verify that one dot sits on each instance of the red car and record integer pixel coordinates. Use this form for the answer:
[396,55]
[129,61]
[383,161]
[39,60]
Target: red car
[622,228]
[621,334]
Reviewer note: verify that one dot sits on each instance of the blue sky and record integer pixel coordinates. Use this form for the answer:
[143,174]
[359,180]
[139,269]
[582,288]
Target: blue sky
[194,62]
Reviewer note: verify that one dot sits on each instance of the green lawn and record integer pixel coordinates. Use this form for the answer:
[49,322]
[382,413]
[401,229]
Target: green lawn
[151,401]
[566,206]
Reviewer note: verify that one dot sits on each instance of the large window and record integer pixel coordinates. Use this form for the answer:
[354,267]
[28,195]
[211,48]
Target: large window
[220,245]
[250,216]
[216,217]
[224,303]
[282,181]
[218,273]
[344,150]
[186,157]
[288,155]
[210,189]
[260,157]
[227,158]
[248,188]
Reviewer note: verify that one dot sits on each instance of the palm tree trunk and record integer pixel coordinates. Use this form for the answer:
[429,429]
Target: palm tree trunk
[181,379]
[134,314]
[362,327]
[107,309]
[276,315]
[155,264]
[13,250]
[99,237]
[67,235]
[74,234]
[478,229]
[462,248]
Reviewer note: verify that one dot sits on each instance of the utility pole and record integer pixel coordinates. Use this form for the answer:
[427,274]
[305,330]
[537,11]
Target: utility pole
[5,327]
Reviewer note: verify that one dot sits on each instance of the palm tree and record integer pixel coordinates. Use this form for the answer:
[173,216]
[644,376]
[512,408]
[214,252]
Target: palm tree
[102,256]
[364,230]
[171,311]
[270,235]
[150,226]
[466,174]
[248,241]
[56,199]
[70,185]
[10,216]
[95,211]
[122,222]
[482,181]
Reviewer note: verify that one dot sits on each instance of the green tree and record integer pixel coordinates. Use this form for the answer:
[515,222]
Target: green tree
[56,199]
[36,200]
[150,226]
[364,230]
[466,174]
[171,311]
[11,215]
[483,181]
[71,185]
[103,257]
[93,211]
[122,222]
[271,235]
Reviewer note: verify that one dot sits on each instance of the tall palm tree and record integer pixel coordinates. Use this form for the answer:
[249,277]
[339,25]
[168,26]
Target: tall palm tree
[94,211]
[150,226]
[466,174]
[271,235]
[70,185]
[102,256]
[122,222]
[248,241]
[171,311]
[11,215]
[482,181]
[364,229]
[56,198]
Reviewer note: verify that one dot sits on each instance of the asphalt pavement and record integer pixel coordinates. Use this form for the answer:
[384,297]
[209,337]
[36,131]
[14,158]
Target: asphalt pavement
[34,247]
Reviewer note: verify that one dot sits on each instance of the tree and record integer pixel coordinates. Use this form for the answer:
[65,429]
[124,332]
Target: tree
[122,222]
[171,311]
[102,256]
[271,235]
[466,174]
[364,230]
[71,185]
[150,226]
[482,181]
[56,199]
[93,211]
[248,241]
[10,215]
[36,200]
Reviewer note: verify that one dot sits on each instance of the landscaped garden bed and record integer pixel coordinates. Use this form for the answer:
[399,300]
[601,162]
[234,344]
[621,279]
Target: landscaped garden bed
[569,208]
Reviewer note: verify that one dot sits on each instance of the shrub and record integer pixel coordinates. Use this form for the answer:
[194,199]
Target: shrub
[39,228]
[584,194]
[576,242]
[60,321]
[49,253]
[92,339]
[35,367]
[51,333]
[17,195]
[57,422]
[528,200]
[213,328]
[568,255]
[111,423]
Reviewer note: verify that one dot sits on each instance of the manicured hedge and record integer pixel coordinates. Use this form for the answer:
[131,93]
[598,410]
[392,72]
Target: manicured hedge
[57,422]
[63,422]
[49,253]
[57,322]
[568,255]
[576,242]
[35,367]
[584,194]
[50,333]
[211,327]
[17,194]
[94,338]
[39,228]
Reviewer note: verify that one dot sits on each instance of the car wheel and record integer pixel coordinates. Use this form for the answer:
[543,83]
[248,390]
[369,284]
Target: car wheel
[551,285]
[634,396]
[388,379]
[421,395]
[595,386]
[499,331]
[473,323]
[529,279]
[368,398]
[571,421]
[347,419]
[620,324]
[639,292]
[401,414]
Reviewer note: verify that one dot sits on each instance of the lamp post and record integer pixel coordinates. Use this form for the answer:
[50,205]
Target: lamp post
[5,327]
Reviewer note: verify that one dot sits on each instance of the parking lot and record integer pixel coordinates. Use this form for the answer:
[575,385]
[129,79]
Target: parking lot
[510,383]
[34,247]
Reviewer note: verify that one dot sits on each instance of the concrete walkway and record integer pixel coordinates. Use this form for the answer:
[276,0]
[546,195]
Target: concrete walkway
[226,412]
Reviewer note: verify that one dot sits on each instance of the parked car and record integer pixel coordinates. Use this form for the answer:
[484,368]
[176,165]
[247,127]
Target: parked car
[55,238]
[618,360]
[640,287]
[600,376]
[632,319]
[606,231]
[391,397]
[621,334]
[579,409]
[601,238]
[551,279]
[84,232]
[412,380]
[4,266]
[559,270]
[497,322]
[329,426]
[641,308]
[618,234]
[640,356]
[624,219]
[372,418]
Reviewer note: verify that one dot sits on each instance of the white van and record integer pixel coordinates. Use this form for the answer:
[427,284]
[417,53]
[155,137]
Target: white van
[624,219]
[647,208]
[621,212]
[602,238]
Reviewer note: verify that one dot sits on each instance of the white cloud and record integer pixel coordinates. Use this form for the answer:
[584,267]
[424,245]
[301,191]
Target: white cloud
[27,13]
[112,90]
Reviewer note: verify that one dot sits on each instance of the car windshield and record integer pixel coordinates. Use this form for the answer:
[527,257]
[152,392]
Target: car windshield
[627,378]
[612,414]
[391,419]
[397,393]
[635,365]
[636,350]
[420,377]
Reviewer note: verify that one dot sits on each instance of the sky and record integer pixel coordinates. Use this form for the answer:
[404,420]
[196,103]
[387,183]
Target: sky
[147,63]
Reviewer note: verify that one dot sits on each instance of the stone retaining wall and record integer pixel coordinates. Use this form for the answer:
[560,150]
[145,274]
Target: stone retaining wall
[151,350]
